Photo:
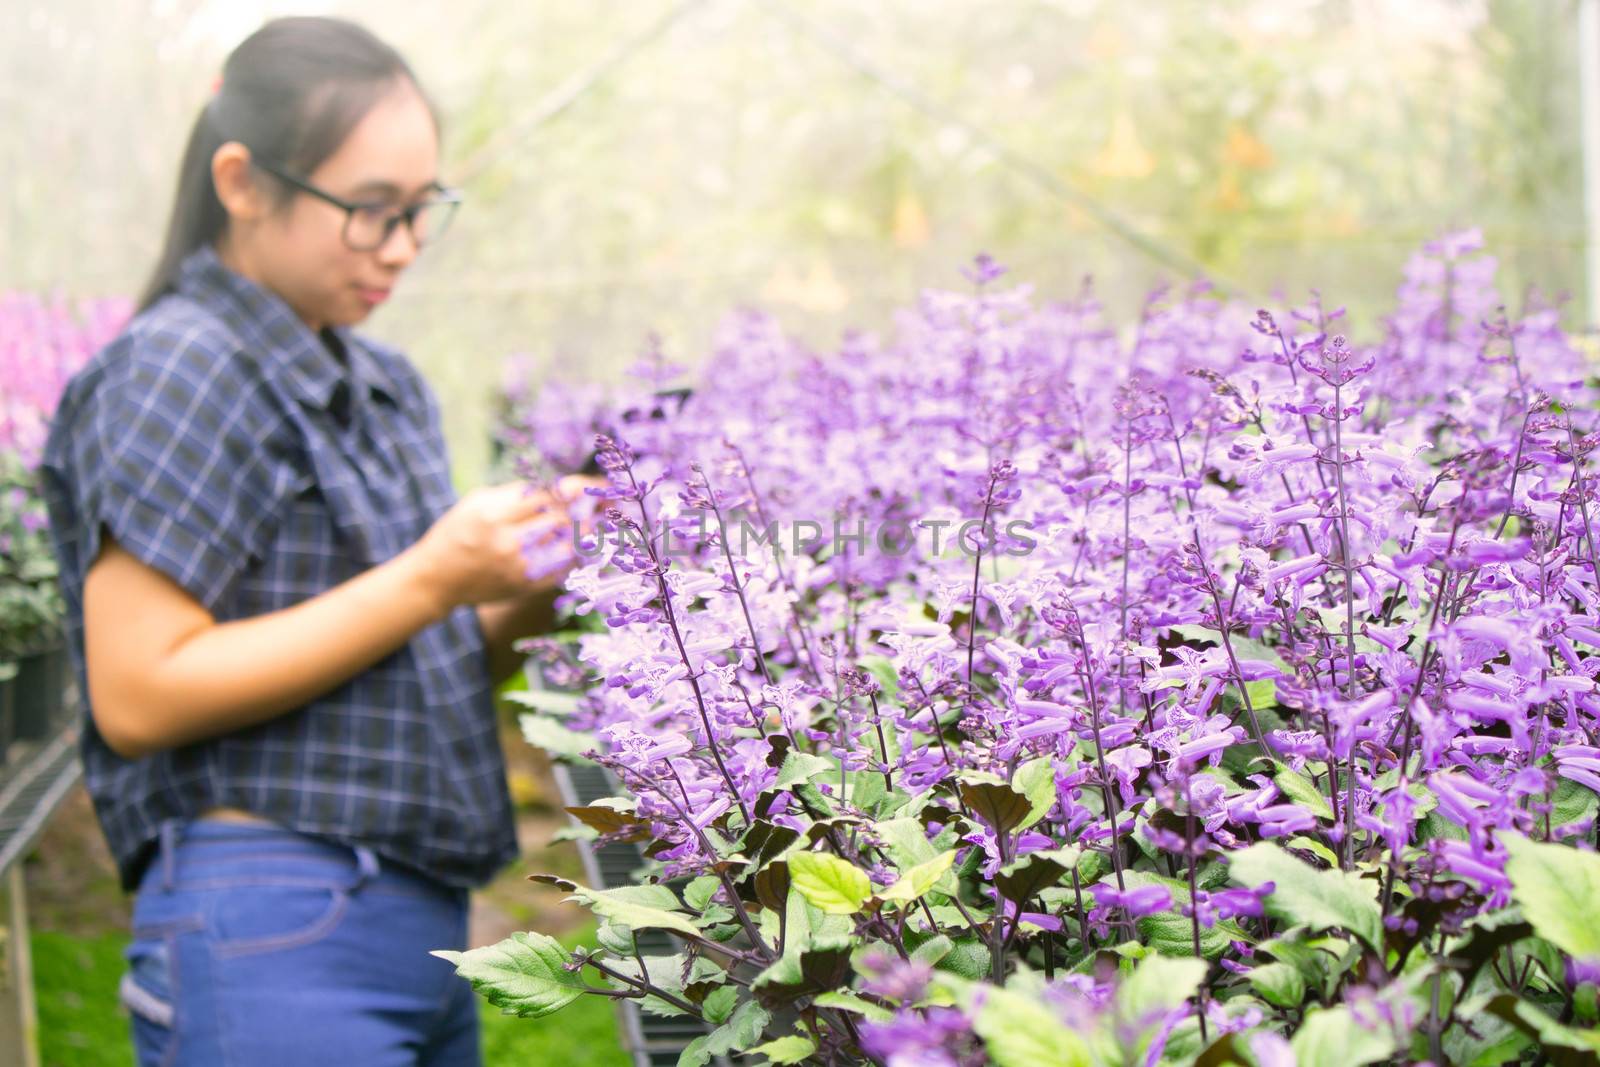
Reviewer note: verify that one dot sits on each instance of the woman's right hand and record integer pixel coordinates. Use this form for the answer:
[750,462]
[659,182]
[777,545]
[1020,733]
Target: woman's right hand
[473,553]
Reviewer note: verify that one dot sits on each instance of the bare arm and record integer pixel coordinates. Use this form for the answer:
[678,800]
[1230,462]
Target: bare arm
[162,672]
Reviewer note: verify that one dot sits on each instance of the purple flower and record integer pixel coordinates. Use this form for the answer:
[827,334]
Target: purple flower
[1136,902]
[1392,537]
[925,1038]
[984,270]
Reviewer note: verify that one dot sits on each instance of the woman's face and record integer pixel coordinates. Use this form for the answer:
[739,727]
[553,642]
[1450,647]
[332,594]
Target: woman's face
[390,158]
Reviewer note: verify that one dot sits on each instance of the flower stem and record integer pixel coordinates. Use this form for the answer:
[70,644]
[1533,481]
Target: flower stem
[683,652]
[977,562]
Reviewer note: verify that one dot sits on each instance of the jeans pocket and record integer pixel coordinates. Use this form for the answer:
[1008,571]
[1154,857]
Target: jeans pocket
[147,993]
[252,918]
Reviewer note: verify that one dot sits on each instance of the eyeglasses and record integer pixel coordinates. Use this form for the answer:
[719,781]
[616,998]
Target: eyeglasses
[368,226]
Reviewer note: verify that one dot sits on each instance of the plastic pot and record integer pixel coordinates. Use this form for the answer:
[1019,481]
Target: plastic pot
[40,693]
[8,708]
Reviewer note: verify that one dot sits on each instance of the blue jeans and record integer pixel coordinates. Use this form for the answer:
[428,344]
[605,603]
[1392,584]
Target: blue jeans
[255,946]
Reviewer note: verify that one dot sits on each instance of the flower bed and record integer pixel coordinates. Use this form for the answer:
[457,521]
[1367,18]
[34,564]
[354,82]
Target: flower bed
[1030,691]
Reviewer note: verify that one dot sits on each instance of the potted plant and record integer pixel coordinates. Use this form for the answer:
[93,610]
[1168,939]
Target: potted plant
[46,341]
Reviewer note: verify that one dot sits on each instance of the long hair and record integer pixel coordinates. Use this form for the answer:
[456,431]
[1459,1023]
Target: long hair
[291,92]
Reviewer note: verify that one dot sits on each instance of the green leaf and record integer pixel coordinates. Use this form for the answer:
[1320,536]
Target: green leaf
[1036,780]
[1092,866]
[845,1000]
[523,975]
[823,964]
[698,893]
[549,701]
[1191,631]
[1300,789]
[695,1053]
[1552,961]
[1171,934]
[615,939]
[1263,692]
[801,767]
[1571,802]
[932,950]
[541,731]
[719,1004]
[1420,792]
[1019,1031]
[1434,826]
[832,884]
[814,800]
[791,1049]
[1321,899]
[1557,887]
[669,974]
[642,907]
[1331,1037]
[1492,1042]
[865,789]
[805,922]
[577,832]
[1248,648]
[1279,984]
[1299,955]
[1315,847]
[966,957]
[738,1033]
[1158,986]
[1230,785]
[919,879]
[1546,1031]
[905,841]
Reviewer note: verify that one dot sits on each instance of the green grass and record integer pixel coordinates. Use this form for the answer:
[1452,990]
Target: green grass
[81,1023]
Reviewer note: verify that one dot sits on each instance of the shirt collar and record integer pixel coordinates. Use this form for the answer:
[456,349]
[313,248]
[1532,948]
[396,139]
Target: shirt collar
[309,369]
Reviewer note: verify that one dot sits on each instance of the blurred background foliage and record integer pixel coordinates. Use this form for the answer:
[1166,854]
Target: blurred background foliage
[648,165]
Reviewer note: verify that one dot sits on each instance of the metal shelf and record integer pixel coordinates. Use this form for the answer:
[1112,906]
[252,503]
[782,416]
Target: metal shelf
[34,783]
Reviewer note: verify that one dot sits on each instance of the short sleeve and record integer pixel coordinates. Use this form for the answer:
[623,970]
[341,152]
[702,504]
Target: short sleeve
[177,449]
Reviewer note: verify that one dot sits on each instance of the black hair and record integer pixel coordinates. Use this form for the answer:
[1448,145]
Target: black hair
[291,92]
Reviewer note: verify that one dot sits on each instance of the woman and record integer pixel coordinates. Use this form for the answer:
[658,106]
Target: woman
[287,627]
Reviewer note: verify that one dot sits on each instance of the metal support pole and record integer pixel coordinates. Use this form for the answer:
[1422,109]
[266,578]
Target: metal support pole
[19,1021]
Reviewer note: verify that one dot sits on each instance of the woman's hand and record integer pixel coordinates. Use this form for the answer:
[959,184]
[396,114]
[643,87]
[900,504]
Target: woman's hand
[473,553]
[552,557]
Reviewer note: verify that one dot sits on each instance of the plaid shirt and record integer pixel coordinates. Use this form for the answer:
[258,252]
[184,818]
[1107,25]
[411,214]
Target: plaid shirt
[223,443]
